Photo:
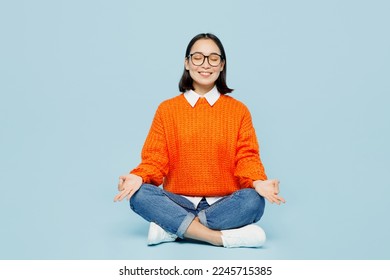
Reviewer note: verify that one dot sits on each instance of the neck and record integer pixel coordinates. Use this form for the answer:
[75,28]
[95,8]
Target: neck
[202,90]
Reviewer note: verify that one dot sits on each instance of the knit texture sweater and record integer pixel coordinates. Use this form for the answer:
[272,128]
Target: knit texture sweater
[203,150]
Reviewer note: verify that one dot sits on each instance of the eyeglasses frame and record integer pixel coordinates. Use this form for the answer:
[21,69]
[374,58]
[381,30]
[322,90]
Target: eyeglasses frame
[204,58]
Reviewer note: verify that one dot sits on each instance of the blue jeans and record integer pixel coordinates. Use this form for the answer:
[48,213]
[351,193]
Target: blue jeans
[175,213]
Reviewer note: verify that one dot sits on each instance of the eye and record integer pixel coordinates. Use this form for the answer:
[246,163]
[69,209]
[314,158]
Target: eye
[197,56]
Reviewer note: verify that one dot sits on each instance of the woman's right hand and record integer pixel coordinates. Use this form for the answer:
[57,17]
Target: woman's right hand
[128,185]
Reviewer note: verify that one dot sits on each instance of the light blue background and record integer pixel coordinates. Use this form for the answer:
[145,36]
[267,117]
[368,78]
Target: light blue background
[79,84]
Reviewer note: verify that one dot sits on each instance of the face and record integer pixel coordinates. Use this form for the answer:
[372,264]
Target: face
[204,75]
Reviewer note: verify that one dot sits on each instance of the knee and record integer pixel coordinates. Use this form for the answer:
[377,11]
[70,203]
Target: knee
[143,196]
[253,202]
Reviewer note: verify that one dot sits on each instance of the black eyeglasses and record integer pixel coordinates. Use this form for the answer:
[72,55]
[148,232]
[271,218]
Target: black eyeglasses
[198,59]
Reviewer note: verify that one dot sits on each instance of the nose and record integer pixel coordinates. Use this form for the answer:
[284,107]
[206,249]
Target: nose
[206,63]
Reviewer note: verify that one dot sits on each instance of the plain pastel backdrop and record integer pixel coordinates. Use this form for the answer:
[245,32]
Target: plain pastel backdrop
[80,82]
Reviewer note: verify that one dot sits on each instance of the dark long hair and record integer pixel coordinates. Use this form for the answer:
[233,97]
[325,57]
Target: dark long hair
[186,82]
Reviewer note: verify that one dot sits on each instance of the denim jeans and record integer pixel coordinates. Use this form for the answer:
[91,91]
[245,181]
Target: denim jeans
[175,213]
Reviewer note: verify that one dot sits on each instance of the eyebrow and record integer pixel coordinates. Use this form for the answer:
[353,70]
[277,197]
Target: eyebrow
[206,54]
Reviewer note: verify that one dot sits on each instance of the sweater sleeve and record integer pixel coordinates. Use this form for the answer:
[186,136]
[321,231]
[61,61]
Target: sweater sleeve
[154,165]
[248,163]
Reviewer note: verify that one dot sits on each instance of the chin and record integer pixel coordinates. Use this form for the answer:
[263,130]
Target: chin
[206,82]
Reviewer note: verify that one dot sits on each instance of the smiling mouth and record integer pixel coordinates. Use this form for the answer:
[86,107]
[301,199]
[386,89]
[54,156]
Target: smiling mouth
[205,74]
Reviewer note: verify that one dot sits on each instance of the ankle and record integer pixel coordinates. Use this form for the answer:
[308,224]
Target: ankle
[197,231]
[217,239]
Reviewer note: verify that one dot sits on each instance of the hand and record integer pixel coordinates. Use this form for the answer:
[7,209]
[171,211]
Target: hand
[269,189]
[128,185]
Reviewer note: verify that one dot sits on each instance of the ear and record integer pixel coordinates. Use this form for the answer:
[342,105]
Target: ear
[186,64]
[222,65]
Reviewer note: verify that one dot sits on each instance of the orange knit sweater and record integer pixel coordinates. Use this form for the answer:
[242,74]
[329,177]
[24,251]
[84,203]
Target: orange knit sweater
[201,151]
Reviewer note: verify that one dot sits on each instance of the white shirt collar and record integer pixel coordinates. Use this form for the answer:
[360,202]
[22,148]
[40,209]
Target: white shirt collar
[211,97]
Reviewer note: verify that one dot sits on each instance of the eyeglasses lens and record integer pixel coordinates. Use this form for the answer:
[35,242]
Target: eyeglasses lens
[198,59]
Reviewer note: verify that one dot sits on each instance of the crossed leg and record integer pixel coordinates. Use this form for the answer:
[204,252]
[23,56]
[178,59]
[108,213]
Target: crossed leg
[177,215]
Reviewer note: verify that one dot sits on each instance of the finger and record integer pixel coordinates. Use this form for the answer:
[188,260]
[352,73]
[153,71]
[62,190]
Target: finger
[126,193]
[279,199]
[121,195]
[118,197]
[125,185]
[123,177]
[282,199]
[128,197]
[132,192]
[269,196]
[270,199]
[120,184]
[276,186]
[274,200]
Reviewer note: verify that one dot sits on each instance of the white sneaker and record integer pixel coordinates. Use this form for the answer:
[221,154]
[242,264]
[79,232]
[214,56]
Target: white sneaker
[247,236]
[158,235]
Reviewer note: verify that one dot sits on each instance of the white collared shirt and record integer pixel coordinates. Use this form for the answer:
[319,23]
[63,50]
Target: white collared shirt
[211,97]
[192,97]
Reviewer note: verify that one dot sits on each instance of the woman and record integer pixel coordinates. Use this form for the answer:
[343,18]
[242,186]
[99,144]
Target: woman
[203,149]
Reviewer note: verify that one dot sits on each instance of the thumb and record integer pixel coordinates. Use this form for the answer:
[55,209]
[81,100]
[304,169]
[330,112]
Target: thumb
[276,186]
[123,178]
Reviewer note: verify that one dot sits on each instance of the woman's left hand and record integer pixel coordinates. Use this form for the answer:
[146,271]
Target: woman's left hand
[269,189]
